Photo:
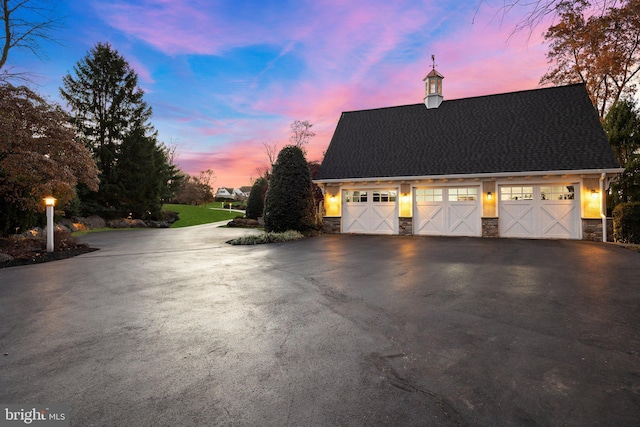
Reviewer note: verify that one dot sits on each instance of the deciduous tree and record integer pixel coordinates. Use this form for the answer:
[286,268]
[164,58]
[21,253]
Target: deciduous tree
[195,190]
[25,24]
[534,12]
[301,133]
[39,157]
[601,51]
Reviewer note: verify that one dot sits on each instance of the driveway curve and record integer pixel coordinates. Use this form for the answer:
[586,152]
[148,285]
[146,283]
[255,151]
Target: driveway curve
[176,327]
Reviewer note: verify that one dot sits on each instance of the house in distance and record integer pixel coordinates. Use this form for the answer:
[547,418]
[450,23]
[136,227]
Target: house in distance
[527,164]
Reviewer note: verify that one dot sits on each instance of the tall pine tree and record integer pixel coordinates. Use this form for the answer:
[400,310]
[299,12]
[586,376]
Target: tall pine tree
[112,119]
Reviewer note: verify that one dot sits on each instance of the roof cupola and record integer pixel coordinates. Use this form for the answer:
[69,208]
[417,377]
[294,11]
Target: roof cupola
[433,87]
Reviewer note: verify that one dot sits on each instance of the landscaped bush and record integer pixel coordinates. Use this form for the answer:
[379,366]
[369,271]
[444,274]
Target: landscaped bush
[626,223]
[256,239]
[255,204]
[289,203]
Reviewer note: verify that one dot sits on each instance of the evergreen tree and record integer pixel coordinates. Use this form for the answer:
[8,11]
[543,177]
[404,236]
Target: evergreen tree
[622,125]
[112,119]
[142,175]
[255,204]
[289,198]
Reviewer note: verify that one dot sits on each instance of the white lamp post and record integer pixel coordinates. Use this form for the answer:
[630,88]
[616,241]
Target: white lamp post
[49,202]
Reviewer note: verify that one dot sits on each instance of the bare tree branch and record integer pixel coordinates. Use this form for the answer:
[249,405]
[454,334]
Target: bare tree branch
[271,149]
[25,24]
[535,12]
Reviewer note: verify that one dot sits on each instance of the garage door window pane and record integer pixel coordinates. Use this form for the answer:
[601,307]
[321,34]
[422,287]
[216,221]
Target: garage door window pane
[384,196]
[557,192]
[463,194]
[428,194]
[516,193]
[355,196]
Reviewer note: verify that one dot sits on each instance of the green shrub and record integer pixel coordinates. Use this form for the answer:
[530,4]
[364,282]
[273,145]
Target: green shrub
[255,204]
[626,223]
[257,239]
[289,201]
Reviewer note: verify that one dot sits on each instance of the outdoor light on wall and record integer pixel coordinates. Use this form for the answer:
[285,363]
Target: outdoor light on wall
[594,194]
[49,202]
[332,199]
[489,195]
[405,198]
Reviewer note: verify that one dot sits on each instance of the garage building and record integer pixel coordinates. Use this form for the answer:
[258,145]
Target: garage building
[528,164]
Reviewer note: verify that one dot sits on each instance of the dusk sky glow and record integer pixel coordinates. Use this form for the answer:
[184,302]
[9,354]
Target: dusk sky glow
[223,77]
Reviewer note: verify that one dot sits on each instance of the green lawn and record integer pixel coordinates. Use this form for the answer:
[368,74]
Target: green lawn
[195,215]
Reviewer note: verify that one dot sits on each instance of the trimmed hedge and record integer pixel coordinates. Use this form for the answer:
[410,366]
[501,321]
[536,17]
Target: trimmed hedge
[626,223]
[289,203]
[257,239]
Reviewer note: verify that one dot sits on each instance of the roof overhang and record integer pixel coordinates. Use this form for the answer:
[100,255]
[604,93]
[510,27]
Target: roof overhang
[486,175]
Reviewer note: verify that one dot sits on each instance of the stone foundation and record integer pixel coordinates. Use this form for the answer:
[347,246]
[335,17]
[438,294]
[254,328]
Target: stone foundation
[331,225]
[592,229]
[490,227]
[406,226]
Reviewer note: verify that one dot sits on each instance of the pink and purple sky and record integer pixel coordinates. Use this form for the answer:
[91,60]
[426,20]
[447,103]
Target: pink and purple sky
[223,77]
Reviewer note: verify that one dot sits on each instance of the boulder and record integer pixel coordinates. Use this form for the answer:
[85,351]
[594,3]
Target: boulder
[33,233]
[137,223]
[91,222]
[59,227]
[119,223]
[158,224]
[127,223]
[66,222]
[5,257]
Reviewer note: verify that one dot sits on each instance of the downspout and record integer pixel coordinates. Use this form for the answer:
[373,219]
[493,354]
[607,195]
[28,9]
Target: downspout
[603,214]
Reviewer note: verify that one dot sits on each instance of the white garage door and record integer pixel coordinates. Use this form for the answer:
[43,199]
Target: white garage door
[370,211]
[539,211]
[447,211]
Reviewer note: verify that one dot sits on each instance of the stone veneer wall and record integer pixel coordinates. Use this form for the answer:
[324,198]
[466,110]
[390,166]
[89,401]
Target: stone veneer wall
[490,227]
[331,225]
[406,226]
[592,229]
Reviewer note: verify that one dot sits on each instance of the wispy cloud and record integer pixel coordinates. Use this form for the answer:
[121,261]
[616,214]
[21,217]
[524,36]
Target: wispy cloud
[347,56]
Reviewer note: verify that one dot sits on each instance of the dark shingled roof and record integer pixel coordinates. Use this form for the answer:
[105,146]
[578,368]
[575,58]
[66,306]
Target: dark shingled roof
[551,129]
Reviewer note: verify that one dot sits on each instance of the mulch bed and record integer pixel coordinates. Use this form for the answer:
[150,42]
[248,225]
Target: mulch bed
[33,251]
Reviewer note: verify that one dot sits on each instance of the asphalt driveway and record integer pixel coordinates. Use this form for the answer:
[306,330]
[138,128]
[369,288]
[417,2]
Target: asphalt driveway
[174,327]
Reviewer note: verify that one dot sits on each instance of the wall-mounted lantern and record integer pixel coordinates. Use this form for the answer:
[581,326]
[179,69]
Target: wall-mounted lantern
[49,202]
[489,195]
[594,194]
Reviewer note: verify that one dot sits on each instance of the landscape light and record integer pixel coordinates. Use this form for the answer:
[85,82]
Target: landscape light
[50,202]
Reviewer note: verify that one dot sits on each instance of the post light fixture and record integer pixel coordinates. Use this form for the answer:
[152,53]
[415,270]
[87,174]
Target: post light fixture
[594,194]
[49,202]
[489,195]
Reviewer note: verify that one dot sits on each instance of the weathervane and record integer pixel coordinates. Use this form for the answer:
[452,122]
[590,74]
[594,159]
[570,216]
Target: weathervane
[433,59]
